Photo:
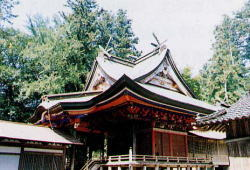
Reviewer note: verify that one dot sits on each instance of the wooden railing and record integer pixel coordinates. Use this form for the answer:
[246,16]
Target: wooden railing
[157,159]
[90,163]
[220,160]
[149,160]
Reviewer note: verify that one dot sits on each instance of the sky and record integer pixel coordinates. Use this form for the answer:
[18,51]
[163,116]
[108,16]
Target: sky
[187,25]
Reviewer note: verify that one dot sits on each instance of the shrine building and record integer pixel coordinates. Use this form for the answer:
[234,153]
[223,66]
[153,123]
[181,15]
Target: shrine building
[135,113]
[235,121]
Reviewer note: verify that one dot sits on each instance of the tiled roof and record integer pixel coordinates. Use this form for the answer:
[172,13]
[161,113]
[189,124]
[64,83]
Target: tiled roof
[28,132]
[241,109]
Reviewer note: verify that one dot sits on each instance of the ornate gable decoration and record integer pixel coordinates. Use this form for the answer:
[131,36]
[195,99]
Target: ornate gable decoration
[162,78]
[100,81]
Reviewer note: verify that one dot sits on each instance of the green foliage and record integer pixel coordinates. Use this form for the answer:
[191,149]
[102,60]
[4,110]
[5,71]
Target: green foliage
[11,44]
[52,61]
[226,76]
[94,26]
[192,82]
[6,7]
[56,55]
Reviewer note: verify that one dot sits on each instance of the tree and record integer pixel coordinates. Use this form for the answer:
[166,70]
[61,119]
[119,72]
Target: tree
[56,55]
[192,82]
[94,26]
[226,76]
[241,33]
[11,44]
[65,51]
[6,7]
[118,28]
[60,55]
[52,61]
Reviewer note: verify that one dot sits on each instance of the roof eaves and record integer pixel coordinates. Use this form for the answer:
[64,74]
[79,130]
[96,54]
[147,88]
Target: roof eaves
[210,117]
[71,95]
[125,81]
[61,138]
[90,76]
[178,74]
[228,114]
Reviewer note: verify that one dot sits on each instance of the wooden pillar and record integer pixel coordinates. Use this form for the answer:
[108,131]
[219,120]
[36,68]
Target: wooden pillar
[105,145]
[89,154]
[239,148]
[171,144]
[178,168]
[144,167]
[130,154]
[20,158]
[217,145]
[64,157]
[72,166]
[130,167]
[186,143]
[134,140]
[153,141]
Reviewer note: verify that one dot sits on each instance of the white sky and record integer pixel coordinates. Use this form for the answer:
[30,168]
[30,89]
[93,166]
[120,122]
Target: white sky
[186,24]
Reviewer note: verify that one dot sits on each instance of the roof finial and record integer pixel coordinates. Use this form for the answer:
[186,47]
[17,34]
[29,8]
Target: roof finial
[108,43]
[157,40]
[159,44]
[105,52]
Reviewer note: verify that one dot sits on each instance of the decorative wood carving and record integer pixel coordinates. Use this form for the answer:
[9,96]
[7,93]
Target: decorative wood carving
[161,77]
[98,83]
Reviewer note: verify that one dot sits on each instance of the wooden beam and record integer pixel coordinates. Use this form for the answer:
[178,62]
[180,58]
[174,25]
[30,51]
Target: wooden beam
[84,129]
[222,128]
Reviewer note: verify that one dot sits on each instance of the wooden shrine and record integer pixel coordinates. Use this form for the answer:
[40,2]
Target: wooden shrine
[133,113]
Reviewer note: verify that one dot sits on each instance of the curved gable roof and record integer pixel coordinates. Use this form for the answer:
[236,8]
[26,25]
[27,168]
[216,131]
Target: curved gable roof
[139,69]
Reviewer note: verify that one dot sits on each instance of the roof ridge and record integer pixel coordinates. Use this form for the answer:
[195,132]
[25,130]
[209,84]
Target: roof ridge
[133,62]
